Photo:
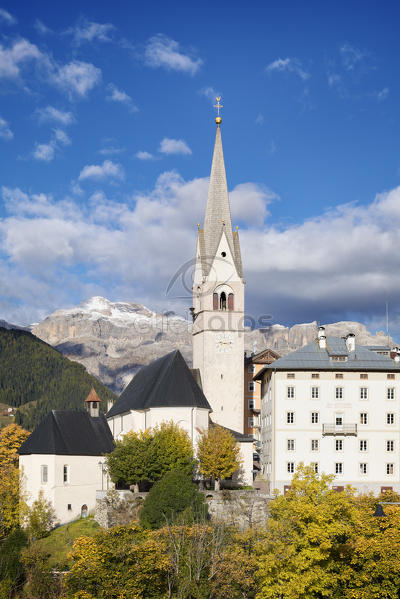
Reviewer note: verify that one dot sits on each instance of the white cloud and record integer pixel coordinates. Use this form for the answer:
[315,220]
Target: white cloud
[89,31]
[51,114]
[351,56]
[174,146]
[77,78]
[106,170]
[12,58]
[259,119]
[41,28]
[6,17]
[161,51]
[383,94]
[118,95]
[335,265]
[111,151]
[5,131]
[143,155]
[291,65]
[209,93]
[45,152]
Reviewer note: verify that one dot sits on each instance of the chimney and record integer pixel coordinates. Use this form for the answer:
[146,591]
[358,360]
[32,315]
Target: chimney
[321,341]
[396,352]
[321,332]
[92,403]
[110,404]
[351,342]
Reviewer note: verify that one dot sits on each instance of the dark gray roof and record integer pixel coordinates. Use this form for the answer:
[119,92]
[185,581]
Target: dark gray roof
[312,357]
[68,432]
[165,383]
[239,437]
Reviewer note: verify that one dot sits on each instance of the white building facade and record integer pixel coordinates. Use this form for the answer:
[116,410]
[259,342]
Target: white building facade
[333,405]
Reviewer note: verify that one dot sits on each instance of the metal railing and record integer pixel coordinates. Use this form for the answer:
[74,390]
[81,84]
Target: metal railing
[339,429]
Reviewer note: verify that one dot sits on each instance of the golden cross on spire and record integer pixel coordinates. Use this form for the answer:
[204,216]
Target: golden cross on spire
[218,105]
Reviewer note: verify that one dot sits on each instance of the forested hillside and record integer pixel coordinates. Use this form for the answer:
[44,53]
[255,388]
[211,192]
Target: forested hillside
[36,378]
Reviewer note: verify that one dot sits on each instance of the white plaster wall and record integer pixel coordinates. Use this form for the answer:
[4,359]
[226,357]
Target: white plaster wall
[246,471]
[85,479]
[193,420]
[276,431]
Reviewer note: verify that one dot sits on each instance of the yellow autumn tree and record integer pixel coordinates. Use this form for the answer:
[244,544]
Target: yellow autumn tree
[11,438]
[218,454]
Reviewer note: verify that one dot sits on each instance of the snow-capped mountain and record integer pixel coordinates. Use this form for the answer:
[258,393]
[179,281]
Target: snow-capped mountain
[114,339]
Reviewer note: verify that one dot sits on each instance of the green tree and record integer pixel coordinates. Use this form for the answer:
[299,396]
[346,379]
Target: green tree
[218,454]
[39,518]
[148,455]
[174,495]
[307,548]
[130,462]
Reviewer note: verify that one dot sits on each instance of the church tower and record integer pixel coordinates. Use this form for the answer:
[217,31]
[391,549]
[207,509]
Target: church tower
[218,301]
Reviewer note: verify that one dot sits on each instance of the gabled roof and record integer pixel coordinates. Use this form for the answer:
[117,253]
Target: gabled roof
[68,432]
[266,356]
[165,383]
[312,357]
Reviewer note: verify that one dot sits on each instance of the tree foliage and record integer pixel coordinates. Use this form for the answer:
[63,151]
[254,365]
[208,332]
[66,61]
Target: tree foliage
[172,496]
[218,453]
[11,438]
[39,518]
[147,456]
[36,378]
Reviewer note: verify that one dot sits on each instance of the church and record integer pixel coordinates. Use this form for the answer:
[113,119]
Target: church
[64,456]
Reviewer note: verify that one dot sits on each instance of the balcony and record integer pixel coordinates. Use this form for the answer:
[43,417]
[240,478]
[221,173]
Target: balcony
[337,430]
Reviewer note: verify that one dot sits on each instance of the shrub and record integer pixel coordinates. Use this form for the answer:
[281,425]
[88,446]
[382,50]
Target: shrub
[174,497]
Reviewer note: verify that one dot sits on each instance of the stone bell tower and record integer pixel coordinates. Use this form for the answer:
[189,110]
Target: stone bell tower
[218,301]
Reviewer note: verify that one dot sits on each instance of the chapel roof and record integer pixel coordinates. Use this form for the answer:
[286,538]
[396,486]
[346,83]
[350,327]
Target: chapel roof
[165,383]
[92,397]
[69,432]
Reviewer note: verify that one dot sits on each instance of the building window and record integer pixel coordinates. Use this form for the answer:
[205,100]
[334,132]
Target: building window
[363,468]
[290,445]
[290,467]
[389,445]
[314,444]
[314,466]
[290,417]
[363,418]
[363,445]
[65,474]
[315,375]
[290,392]
[250,386]
[250,422]
[390,393]
[390,376]
[69,507]
[339,358]
[389,468]
[314,392]
[339,375]
[339,392]
[390,418]
[339,419]
[251,403]
[363,393]
[44,474]
[338,444]
[251,369]
[363,375]
[290,375]
[339,468]
[314,417]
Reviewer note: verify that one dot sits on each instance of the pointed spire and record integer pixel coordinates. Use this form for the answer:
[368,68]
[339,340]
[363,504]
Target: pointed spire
[218,212]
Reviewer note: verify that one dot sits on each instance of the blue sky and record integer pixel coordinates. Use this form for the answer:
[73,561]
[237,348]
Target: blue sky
[106,134]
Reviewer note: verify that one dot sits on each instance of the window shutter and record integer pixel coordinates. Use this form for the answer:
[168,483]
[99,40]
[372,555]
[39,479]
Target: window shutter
[215,301]
[230,301]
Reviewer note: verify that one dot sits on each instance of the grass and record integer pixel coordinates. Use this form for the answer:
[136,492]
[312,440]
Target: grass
[59,542]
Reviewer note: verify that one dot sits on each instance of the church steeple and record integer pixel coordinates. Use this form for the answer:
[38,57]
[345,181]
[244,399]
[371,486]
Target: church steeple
[218,212]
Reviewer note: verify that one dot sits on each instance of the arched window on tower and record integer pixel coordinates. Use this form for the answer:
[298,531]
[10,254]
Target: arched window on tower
[215,301]
[230,302]
[222,301]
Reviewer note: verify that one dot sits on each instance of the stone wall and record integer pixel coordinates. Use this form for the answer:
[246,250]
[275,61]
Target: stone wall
[240,508]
